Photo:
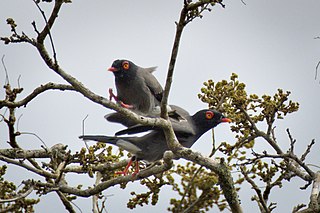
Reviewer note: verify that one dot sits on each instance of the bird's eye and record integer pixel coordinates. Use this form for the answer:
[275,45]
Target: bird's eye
[209,115]
[125,65]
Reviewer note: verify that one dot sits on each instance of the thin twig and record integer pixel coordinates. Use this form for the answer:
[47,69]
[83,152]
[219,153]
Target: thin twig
[189,186]
[18,122]
[262,202]
[83,130]
[308,150]
[243,2]
[35,93]
[49,32]
[30,168]
[19,81]
[5,70]
[34,134]
[190,208]
[67,203]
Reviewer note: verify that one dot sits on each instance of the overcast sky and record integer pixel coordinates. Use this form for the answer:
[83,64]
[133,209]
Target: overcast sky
[269,44]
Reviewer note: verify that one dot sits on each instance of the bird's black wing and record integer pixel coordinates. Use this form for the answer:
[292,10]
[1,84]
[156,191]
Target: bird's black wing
[180,128]
[180,124]
[136,129]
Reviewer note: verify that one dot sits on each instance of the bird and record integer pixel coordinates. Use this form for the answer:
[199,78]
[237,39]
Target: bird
[151,146]
[137,88]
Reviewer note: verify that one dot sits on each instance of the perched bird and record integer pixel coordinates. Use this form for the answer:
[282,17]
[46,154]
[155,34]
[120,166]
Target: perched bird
[137,88]
[152,146]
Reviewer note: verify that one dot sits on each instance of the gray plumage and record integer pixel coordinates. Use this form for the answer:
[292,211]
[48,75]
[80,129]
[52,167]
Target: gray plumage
[183,124]
[151,146]
[136,86]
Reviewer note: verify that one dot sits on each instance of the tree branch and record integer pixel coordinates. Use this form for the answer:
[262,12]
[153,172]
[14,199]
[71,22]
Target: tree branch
[115,181]
[180,26]
[54,14]
[19,197]
[221,169]
[261,201]
[18,153]
[97,168]
[66,202]
[307,175]
[30,168]
[35,93]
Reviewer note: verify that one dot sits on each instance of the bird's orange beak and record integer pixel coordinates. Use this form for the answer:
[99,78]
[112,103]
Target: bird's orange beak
[228,120]
[112,69]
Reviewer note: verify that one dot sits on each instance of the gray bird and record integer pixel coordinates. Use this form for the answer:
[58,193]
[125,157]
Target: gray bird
[137,88]
[152,146]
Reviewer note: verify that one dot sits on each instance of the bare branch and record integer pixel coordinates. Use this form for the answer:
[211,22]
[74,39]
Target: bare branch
[30,133]
[100,168]
[66,202]
[35,93]
[173,58]
[314,198]
[18,153]
[5,70]
[54,14]
[30,168]
[308,150]
[314,203]
[46,30]
[95,198]
[83,131]
[260,200]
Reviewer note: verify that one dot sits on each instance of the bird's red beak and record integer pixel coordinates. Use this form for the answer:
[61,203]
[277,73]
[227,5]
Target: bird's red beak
[228,120]
[112,69]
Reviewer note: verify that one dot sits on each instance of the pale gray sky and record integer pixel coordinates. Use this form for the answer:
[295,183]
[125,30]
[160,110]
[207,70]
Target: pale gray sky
[269,44]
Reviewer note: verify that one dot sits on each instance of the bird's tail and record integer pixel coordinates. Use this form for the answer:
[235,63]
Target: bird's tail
[100,138]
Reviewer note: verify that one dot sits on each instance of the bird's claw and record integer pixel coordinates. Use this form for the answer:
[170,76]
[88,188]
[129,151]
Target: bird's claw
[125,171]
[127,106]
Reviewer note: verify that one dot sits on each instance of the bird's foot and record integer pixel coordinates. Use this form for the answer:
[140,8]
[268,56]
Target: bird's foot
[113,96]
[124,173]
[127,106]
[137,170]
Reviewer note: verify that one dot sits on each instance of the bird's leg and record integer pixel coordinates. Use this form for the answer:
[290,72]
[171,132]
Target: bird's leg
[112,95]
[137,170]
[125,171]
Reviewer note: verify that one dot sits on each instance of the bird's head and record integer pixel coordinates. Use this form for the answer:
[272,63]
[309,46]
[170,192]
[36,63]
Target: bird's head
[208,118]
[122,67]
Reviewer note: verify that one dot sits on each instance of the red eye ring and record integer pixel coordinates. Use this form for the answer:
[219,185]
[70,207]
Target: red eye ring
[125,65]
[209,115]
